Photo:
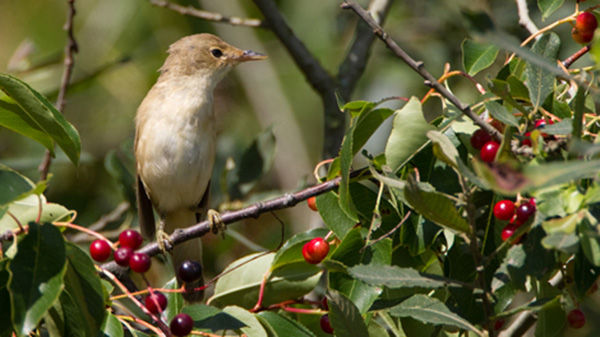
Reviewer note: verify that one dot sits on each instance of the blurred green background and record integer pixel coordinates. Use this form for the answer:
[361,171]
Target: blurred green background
[123,43]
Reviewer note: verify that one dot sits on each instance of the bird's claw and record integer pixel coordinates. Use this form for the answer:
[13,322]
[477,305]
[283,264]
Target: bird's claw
[216,223]
[165,244]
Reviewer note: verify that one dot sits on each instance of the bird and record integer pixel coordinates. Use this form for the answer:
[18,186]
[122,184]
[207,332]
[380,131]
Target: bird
[175,144]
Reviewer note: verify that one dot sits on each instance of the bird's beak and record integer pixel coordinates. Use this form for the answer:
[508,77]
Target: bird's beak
[248,55]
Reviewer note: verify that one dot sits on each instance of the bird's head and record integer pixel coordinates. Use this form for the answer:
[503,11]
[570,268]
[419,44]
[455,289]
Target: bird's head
[204,54]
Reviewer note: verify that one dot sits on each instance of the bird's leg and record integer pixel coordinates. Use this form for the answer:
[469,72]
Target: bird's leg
[216,223]
[163,239]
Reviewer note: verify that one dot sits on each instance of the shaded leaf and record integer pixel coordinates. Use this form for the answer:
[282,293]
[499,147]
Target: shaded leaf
[334,217]
[477,56]
[256,161]
[435,207]
[408,134]
[540,82]
[252,327]
[111,327]
[430,310]
[397,277]
[344,316]
[40,114]
[207,317]
[36,275]
[281,326]
[547,7]
[500,113]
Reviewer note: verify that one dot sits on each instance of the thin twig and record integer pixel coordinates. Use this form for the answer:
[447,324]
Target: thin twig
[209,16]
[578,54]
[420,69]
[355,62]
[70,49]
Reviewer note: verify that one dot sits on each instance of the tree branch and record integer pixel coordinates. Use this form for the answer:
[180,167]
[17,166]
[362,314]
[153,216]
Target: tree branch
[420,69]
[209,16]
[524,19]
[70,49]
[356,60]
[253,211]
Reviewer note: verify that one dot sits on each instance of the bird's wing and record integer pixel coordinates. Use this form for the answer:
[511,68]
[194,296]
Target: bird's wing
[145,214]
[203,205]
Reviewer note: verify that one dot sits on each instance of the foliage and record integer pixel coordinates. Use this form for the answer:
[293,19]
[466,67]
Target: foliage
[415,248]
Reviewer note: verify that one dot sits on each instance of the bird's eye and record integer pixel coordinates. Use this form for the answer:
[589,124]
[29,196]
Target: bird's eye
[216,52]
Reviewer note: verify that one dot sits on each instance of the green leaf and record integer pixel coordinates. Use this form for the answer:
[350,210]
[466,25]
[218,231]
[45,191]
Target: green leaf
[252,327]
[568,243]
[281,326]
[36,275]
[241,286]
[344,316]
[551,319]
[408,134]
[13,118]
[207,317]
[477,56]
[500,113]
[443,148]
[175,301]
[547,7]
[350,252]
[28,209]
[111,327]
[397,277]
[334,217]
[366,125]
[434,206]
[82,300]
[430,310]
[40,114]
[540,81]
[255,162]
[13,185]
[346,156]
[590,242]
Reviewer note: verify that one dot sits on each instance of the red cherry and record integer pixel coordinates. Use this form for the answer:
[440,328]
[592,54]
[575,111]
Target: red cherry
[581,36]
[576,318]
[312,203]
[130,238]
[527,139]
[139,262]
[151,304]
[122,256]
[100,250]
[325,324]
[315,250]
[489,150]
[586,22]
[479,138]
[181,325]
[508,231]
[498,324]
[525,211]
[504,210]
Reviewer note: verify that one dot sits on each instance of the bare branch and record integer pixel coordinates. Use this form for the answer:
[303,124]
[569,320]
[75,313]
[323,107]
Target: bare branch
[355,62]
[209,16]
[70,49]
[253,211]
[420,69]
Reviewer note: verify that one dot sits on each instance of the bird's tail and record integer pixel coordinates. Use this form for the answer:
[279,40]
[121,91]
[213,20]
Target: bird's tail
[189,250]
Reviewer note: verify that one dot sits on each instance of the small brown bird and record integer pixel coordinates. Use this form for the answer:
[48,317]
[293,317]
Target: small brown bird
[175,141]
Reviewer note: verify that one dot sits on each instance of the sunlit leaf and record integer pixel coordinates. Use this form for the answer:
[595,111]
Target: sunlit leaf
[477,56]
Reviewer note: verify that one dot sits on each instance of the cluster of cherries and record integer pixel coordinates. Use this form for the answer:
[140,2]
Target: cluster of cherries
[585,25]
[130,240]
[505,210]
[125,255]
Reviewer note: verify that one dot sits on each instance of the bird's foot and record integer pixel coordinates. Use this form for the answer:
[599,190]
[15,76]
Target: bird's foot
[216,223]
[164,240]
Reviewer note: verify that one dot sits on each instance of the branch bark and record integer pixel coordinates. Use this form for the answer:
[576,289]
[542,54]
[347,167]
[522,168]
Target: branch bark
[420,69]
